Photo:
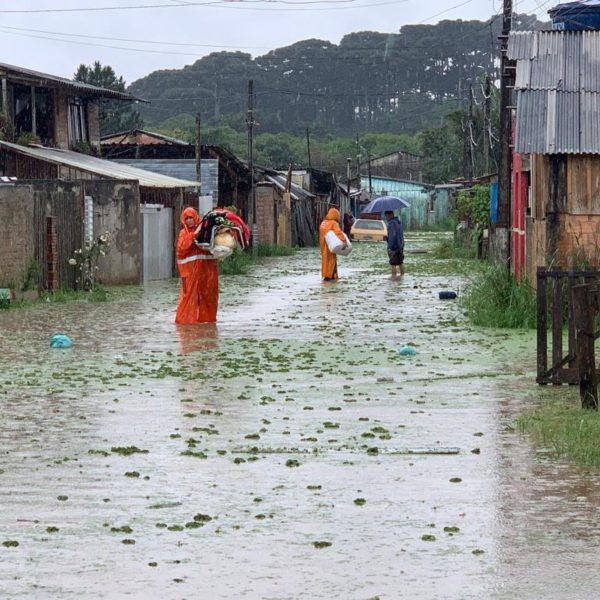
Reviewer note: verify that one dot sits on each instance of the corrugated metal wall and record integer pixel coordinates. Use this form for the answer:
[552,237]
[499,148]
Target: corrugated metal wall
[181,169]
[426,208]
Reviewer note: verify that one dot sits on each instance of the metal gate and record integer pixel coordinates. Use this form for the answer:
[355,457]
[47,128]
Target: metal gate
[157,241]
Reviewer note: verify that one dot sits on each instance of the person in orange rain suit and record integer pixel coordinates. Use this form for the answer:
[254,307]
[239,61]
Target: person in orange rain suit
[199,294]
[328,258]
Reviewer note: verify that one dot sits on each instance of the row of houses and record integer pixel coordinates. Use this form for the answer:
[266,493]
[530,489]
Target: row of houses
[56,193]
[556,159]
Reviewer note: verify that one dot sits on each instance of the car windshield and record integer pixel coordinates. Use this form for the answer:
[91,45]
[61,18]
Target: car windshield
[367,224]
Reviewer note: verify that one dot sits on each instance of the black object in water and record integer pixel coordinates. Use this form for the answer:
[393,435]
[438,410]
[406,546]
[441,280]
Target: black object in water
[448,295]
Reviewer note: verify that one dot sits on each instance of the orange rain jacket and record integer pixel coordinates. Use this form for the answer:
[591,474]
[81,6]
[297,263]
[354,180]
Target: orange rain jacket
[199,294]
[328,258]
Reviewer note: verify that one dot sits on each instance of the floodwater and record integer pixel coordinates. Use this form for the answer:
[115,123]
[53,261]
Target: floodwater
[288,452]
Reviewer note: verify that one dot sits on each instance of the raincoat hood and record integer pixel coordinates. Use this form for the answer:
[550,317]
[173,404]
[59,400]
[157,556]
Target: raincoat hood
[190,212]
[333,214]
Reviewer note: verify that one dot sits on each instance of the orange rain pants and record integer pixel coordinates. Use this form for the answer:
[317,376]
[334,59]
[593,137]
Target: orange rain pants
[328,258]
[199,294]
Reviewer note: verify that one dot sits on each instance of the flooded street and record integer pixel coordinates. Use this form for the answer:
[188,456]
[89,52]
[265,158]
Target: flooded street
[287,452]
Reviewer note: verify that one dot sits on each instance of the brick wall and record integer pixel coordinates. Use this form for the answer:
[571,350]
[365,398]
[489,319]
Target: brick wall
[93,119]
[265,214]
[579,240]
[17,234]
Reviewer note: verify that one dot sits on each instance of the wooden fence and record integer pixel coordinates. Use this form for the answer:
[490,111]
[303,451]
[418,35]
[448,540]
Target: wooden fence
[572,297]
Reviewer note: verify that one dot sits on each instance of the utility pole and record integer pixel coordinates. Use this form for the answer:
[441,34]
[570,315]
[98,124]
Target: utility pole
[198,159]
[347,206]
[501,231]
[252,208]
[487,103]
[470,165]
[370,178]
[467,125]
[308,147]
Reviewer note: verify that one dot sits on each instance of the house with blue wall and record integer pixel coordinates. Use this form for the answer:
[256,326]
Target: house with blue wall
[426,206]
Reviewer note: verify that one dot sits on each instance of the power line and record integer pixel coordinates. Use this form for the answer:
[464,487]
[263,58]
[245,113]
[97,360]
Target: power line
[228,4]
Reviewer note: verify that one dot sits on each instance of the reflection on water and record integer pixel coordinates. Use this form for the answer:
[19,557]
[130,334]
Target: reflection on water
[156,461]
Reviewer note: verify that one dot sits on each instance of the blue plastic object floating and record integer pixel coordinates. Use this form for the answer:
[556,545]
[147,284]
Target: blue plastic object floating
[407,351]
[60,340]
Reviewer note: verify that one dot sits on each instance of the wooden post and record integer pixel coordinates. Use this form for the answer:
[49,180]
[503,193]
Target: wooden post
[584,341]
[33,115]
[557,348]
[198,148]
[542,325]
[572,350]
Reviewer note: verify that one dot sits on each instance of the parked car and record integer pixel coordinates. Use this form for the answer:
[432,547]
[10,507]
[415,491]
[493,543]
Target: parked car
[368,230]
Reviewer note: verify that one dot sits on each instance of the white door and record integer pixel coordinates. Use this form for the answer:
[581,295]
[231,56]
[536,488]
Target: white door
[158,241]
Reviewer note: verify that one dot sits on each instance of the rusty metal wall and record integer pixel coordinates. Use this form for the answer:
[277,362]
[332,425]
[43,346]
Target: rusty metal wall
[63,200]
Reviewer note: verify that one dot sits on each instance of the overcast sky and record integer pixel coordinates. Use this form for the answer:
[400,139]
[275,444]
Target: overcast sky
[137,41]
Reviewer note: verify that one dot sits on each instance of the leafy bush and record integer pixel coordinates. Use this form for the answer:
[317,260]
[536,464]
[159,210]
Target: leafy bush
[474,206]
[237,264]
[496,299]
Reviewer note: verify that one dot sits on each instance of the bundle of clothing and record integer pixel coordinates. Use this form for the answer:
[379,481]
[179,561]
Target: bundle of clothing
[219,221]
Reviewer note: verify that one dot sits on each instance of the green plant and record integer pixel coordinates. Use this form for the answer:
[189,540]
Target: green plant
[32,276]
[27,138]
[85,148]
[562,428]
[7,130]
[495,299]
[473,205]
[455,248]
[236,264]
[269,250]
[86,261]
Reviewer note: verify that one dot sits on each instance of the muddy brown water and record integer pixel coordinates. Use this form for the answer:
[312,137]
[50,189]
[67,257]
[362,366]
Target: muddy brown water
[288,452]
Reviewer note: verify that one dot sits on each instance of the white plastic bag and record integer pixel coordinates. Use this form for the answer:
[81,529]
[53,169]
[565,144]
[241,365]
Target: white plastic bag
[221,252]
[335,245]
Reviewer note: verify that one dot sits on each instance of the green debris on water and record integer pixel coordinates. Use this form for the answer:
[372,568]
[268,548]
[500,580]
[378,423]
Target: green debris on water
[360,501]
[132,474]
[62,498]
[292,462]
[10,543]
[321,544]
[52,529]
[455,480]
[122,529]
[428,537]
[127,450]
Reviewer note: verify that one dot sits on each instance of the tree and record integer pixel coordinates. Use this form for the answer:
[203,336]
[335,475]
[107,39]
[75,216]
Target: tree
[115,115]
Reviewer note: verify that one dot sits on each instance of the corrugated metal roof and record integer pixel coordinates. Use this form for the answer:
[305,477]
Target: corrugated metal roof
[99,166]
[140,136]
[180,168]
[558,91]
[46,78]
[296,192]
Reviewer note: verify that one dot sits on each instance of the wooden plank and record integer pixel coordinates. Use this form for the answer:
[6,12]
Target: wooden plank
[571,284]
[584,343]
[557,306]
[542,325]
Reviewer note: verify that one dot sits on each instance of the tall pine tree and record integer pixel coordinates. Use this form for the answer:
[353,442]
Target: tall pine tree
[115,115]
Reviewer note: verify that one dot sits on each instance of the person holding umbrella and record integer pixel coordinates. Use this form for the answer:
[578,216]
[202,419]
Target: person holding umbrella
[395,243]
[395,236]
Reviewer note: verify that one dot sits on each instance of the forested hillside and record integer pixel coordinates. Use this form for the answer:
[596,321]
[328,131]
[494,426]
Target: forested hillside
[370,82]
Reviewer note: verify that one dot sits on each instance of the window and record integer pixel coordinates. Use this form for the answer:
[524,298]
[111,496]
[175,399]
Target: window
[367,224]
[77,121]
